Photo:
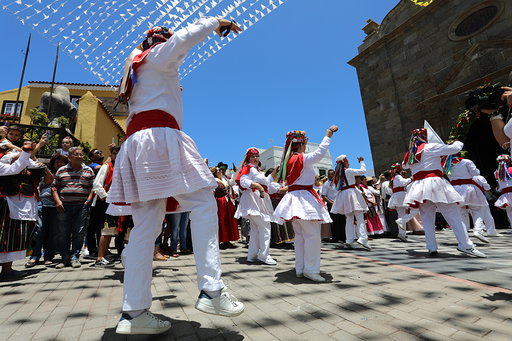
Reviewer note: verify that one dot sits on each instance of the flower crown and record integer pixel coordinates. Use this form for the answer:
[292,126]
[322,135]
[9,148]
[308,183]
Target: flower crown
[296,136]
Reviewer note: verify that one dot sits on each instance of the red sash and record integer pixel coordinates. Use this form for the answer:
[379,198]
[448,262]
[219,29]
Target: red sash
[151,119]
[294,167]
[347,187]
[506,190]
[108,178]
[398,189]
[308,188]
[467,182]
[427,174]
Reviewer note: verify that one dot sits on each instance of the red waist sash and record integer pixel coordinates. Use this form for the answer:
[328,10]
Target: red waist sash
[398,189]
[427,174]
[467,182]
[308,188]
[506,190]
[151,119]
[347,187]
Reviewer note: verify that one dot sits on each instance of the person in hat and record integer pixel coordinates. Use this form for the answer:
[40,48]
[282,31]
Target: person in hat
[158,161]
[350,201]
[301,204]
[398,186]
[255,205]
[430,192]
[460,172]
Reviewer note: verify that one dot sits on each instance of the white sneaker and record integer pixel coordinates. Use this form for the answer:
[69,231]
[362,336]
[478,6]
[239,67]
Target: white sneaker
[400,224]
[402,238]
[145,323]
[223,305]
[314,277]
[269,260]
[364,244]
[493,234]
[473,252]
[481,237]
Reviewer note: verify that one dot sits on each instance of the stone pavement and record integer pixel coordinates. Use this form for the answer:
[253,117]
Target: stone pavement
[391,293]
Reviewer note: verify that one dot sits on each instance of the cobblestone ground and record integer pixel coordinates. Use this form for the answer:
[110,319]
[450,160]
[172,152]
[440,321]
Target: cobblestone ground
[391,293]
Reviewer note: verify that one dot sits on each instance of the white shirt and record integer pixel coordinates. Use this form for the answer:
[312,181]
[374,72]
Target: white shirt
[351,173]
[431,158]
[400,181]
[16,167]
[256,176]
[157,84]
[464,169]
[307,175]
[329,190]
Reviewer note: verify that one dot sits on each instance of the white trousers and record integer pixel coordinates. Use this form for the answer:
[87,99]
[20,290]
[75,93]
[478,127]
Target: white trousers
[485,213]
[307,245]
[357,229]
[259,238]
[508,209]
[147,218]
[405,217]
[450,212]
[476,213]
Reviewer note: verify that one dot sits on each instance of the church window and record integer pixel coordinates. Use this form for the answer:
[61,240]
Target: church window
[476,21]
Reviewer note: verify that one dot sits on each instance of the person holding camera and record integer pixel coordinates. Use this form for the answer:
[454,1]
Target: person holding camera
[431,192]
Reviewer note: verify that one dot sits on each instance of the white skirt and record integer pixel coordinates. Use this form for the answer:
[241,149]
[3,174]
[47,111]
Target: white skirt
[302,205]
[349,201]
[504,201]
[397,200]
[435,189]
[158,163]
[471,194]
[252,204]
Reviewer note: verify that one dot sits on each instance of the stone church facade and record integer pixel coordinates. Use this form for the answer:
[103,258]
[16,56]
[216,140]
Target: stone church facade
[420,62]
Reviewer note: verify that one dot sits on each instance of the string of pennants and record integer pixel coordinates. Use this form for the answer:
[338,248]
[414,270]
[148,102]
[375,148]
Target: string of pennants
[99,34]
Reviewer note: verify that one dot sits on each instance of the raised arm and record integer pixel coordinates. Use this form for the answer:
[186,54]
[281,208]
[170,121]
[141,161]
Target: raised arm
[21,163]
[318,154]
[438,149]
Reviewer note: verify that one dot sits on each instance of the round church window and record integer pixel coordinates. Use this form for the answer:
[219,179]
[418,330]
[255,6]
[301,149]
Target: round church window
[475,20]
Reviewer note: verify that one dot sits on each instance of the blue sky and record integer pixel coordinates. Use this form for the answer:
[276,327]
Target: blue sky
[288,72]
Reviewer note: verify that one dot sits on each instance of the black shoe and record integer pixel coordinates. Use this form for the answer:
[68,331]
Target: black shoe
[433,254]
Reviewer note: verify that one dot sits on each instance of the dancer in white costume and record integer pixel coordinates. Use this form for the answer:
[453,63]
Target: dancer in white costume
[255,205]
[490,226]
[350,201]
[398,185]
[302,205]
[158,161]
[461,171]
[504,177]
[430,191]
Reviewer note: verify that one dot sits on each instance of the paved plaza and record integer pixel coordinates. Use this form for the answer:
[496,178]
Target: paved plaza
[391,293]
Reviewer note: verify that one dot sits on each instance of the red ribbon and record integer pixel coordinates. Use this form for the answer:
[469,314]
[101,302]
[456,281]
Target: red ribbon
[427,174]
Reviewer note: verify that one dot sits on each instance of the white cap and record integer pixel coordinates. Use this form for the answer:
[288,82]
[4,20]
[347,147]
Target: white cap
[342,157]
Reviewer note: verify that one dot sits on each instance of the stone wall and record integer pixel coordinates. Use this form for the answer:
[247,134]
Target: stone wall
[415,68]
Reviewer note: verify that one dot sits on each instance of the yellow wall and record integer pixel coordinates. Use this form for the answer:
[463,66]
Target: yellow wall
[94,123]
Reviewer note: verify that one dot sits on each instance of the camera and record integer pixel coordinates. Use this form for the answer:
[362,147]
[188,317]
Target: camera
[486,97]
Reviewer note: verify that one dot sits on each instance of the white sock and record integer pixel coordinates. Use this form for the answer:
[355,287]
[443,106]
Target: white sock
[135,313]
[213,294]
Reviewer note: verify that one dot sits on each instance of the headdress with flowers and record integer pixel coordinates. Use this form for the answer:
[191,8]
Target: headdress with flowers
[503,173]
[157,34]
[291,136]
[340,178]
[416,144]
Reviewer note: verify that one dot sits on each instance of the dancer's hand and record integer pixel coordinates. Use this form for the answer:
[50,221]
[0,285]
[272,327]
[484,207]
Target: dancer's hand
[359,159]
[28,146]
[331,130]
[228,25]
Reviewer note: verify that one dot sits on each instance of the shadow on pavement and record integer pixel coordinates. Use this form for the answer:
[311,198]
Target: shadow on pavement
[180,329]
